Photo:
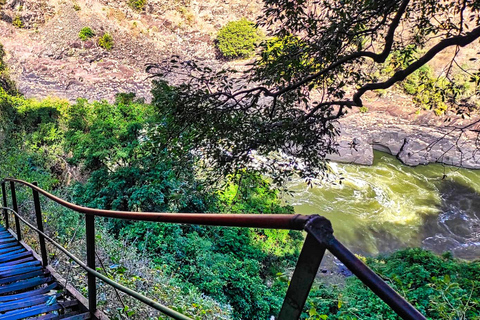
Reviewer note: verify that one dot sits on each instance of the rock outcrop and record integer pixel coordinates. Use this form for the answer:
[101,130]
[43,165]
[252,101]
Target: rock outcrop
[414,140]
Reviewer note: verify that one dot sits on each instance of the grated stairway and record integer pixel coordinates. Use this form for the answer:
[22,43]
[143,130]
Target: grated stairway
[28,290]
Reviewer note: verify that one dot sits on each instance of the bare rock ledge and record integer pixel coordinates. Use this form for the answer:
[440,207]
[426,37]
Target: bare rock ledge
[413,144]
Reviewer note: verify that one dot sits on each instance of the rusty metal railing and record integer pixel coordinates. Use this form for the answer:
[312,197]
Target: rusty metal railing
[319,239]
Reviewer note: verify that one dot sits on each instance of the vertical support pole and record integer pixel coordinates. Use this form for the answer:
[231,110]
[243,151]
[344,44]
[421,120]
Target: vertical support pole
[38,213]
[5,212]
[302,279]
[92,285]
[15,208]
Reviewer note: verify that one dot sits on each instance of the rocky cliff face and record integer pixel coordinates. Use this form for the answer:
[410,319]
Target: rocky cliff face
[46,56]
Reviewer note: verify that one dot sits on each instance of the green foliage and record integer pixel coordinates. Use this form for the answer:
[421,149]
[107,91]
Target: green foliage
[86,33]
[8,112]
[439,287]
[275,63]
[245,192]
[32,132]
[137,5]
[230,265]
[5,83]
[2,55]
[237,39]
[103,135]
[124,174]
[76,7]
[106,41]
[17,22]
[363,109]
[429,92]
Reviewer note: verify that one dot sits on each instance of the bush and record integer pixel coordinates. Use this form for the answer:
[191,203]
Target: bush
[17,22]
[237,39]
[440,287]
[429,91]
[106,41]
[86,33]
[137,5]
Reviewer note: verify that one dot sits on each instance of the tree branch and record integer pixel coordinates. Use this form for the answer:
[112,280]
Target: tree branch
[402,74]
[377,57]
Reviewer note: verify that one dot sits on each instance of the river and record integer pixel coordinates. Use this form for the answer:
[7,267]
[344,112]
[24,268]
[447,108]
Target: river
[388,206]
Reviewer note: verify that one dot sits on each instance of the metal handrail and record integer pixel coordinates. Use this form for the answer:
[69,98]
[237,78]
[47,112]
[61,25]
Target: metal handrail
[264,221]
[319,239]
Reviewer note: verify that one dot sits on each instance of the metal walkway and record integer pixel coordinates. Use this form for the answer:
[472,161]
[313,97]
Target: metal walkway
[27,289]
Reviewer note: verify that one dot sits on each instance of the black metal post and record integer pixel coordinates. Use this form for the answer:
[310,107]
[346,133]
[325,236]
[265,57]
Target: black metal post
[92,285]
[322,230]
[15,208]
[302,279]
[41,238]
[5,212]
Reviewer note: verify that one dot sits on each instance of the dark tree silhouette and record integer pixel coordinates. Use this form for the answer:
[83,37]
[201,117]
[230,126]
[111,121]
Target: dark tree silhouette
[318,62]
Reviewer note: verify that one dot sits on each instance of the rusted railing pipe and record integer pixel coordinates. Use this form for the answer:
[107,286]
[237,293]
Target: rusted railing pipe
[266,221]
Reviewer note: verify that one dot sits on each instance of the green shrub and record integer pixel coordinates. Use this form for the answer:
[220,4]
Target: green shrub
[106,41]
[76,7]
[5,82]
[440,287]
[275,60]
[86,33]
[137,5]
[428,91]
[2,55]
[17,22]
[237,39]
[363,109]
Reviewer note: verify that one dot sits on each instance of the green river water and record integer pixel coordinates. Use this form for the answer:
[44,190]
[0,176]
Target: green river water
[388,206]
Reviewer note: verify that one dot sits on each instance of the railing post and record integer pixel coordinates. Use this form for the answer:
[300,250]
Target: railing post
[15,208]
[5,212]
[321,229]
[302,279]
[92,284]
[38,213]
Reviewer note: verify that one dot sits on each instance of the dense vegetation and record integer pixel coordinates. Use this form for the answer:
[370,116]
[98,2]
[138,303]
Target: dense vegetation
[86,33]
[243,270]
[112,164]
[439,287]
[106,41]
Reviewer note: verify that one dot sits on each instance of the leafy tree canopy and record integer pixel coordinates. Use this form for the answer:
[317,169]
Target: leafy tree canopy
[318,62]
